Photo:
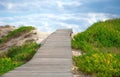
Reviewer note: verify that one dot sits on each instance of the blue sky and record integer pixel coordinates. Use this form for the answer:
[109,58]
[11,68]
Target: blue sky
[49,15]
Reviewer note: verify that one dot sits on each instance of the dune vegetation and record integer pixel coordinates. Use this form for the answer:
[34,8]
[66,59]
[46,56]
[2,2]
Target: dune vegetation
[17,55]
[100,45]
[16,33]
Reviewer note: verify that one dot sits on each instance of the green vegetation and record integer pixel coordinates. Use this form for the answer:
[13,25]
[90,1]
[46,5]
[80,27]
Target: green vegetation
[101,45]
[25,52]
[101,64]
[7,64]
[17,56]
[99,36]
[16,33]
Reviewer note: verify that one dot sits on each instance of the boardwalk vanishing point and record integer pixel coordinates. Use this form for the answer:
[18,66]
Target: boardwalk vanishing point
[53,59]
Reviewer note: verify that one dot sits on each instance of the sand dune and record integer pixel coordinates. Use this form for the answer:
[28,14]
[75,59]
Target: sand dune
[34,35]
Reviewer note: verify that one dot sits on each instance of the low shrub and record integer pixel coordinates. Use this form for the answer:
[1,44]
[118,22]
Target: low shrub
[24,52]
[7,64]
[102,64]
[17,56]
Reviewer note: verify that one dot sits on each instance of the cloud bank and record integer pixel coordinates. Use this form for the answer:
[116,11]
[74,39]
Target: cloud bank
[49,15]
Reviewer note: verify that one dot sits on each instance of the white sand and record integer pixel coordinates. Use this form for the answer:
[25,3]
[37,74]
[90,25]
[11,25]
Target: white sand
[76,52]
[40,36]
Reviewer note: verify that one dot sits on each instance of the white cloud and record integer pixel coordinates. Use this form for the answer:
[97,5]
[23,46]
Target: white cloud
[7,5]
[50,22]
[75,27]
[10,6]
[1,23]
[48,15]
[94,17]
[38,5]
[61,4]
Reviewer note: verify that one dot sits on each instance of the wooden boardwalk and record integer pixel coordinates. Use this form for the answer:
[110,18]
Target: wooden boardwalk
[53,59]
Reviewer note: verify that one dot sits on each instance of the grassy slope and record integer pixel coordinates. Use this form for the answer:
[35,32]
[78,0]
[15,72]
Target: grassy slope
[101,36]
[17,55]
[16,33]
[101,42]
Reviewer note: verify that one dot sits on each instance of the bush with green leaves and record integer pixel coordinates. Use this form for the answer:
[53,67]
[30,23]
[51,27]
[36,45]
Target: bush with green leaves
[24,52]
[17,56]
[103,64]
[7,64]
